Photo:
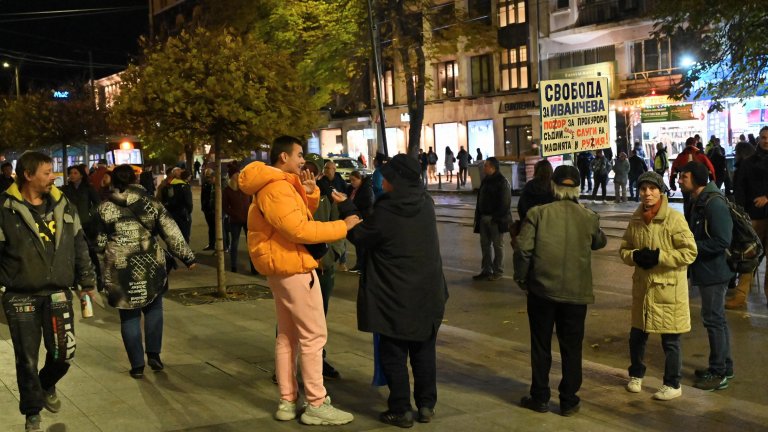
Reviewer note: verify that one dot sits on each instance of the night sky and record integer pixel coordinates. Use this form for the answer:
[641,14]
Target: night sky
[54,51]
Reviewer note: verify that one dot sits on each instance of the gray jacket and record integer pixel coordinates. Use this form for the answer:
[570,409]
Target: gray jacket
[621,171]
[553,256]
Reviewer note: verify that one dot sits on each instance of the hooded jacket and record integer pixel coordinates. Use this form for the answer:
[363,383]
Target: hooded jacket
[280,221]
[494,199]
[660,294]
[691,154]
[25,267]
[402,288]
[132,259]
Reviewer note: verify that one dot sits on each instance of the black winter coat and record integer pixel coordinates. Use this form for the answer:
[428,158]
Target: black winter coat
[535,192]
[363,199]
[402,291]
[712,229]
[751,183]
[25,267]
[85,199]
[495,199]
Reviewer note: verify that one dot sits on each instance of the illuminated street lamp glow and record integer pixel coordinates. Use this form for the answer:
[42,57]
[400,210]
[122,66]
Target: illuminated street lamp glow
[687,61]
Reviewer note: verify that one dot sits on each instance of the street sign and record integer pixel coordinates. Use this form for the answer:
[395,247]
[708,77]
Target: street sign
[574,115]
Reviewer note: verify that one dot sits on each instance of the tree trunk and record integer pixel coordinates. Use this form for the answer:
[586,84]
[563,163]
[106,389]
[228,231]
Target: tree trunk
[189,157]
[220,273]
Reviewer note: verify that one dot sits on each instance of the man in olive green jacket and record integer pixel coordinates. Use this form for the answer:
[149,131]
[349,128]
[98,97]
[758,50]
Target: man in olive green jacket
[553,264]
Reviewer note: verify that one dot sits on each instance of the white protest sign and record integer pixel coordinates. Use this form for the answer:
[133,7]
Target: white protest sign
[574,115]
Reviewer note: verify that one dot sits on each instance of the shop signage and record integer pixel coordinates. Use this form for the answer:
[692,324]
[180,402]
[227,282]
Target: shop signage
[505,107]
[574,115]
[667,113]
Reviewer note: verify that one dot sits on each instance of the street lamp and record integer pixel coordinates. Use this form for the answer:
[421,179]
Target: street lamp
[7,65]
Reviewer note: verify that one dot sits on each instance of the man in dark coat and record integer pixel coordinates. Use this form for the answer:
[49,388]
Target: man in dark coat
[402,291]
[712,227]
[492,217]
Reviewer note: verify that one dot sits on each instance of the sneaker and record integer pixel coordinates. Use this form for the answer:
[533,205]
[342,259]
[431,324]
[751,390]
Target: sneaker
[635,385]
[569,411]
[33,423]
[495,276]
[712,382]
[426,414]
[155,363]
[531,404]
[701,373]
[207,248]
[325,415]
[404,420]
[481,276]
[51,401]
[666,393]
[286,410]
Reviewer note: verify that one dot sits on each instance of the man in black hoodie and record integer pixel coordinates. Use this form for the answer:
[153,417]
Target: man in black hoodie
[492,217]
[402,291]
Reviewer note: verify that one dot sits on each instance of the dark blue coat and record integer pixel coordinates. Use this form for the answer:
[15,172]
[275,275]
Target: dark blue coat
[712,228]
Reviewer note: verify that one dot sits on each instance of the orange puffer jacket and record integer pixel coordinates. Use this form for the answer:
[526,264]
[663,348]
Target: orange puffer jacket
[280,221]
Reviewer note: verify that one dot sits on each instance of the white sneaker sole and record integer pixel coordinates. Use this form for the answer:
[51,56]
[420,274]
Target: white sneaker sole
[316,421]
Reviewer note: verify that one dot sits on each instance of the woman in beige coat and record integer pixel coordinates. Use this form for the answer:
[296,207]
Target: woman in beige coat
[660,245]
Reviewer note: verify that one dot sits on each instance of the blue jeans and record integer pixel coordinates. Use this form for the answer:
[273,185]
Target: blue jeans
[673,364]
[713,316]
[130,328]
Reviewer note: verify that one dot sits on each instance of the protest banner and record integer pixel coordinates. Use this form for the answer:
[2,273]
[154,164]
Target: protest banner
[574,115]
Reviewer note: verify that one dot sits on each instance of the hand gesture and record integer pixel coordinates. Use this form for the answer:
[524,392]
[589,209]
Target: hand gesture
[351,221]
[338,197]
[760,201]
[308,180]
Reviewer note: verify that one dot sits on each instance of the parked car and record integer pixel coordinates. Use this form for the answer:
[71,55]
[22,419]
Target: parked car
[345,166]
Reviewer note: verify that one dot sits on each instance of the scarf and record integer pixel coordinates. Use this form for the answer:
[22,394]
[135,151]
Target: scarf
[651,212]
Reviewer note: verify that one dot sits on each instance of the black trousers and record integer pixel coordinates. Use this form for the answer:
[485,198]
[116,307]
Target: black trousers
[463,175]
[601,181]
[394,356]
[568,319]
[30,318]
[673,361]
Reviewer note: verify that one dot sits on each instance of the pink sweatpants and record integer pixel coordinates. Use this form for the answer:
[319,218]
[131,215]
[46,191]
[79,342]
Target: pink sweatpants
[300,329]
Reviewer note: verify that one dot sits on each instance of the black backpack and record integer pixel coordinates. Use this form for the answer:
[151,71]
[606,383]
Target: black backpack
[746,251]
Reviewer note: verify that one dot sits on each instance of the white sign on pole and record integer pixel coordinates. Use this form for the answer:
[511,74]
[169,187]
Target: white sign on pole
[574,115]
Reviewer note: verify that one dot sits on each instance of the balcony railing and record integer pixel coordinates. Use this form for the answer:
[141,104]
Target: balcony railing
[607,11]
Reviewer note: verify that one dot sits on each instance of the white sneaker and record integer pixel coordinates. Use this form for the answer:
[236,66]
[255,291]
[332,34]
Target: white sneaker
[666,393]
[286,410]
[635,385]
[325,415]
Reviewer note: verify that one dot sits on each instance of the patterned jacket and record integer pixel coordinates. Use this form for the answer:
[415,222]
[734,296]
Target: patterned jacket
[132,259]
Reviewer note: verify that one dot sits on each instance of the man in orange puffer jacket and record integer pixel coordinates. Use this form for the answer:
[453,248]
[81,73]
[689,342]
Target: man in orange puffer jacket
[280,230]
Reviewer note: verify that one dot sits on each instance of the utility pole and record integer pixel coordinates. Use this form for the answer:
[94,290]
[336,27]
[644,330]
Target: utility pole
[151,21]
[377,65]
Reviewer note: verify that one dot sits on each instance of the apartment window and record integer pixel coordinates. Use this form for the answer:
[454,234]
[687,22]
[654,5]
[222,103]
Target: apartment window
[514,68]
[482,75]
[480,11]
[442,18]
[582,58]
[563,4]
[511,12]
[447,79]
[652,55]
